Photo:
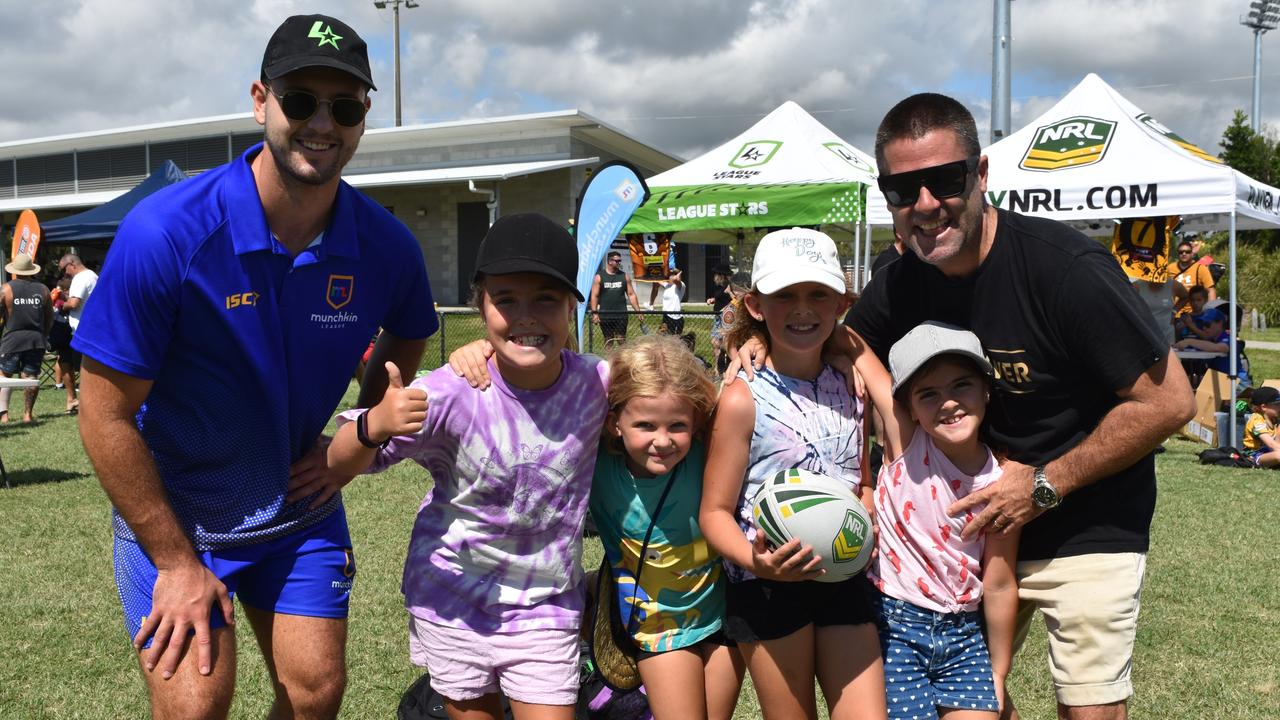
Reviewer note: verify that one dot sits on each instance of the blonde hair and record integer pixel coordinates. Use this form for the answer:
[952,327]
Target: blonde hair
[655,365]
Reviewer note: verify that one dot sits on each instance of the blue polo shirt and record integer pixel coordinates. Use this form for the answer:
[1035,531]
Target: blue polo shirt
[249,349]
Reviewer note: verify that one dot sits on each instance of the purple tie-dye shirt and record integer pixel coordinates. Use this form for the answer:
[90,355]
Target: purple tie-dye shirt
[498,541]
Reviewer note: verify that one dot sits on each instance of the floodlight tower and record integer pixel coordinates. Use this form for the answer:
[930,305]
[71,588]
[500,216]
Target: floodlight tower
[395,52]
[1263,16]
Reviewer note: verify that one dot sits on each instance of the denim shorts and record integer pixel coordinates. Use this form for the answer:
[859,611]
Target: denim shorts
[25,361]
[933,660]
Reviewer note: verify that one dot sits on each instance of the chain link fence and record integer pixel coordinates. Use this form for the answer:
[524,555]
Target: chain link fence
[459,326]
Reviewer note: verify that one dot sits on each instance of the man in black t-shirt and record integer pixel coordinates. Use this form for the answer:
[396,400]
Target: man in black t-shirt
[1085,388]
[611,292]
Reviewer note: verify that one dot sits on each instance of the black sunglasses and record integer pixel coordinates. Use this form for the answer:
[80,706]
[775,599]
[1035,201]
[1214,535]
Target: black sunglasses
[944,181]
[299,106]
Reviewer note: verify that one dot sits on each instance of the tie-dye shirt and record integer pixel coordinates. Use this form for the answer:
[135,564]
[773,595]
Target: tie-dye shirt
[923,560]
[497,543]
[800,423]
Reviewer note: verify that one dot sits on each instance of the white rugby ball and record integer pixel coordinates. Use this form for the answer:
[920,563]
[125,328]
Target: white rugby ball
[821,512]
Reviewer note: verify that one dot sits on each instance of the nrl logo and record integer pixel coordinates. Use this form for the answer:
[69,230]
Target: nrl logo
[849,541]
[843,152]
[1073,142]
[755,153]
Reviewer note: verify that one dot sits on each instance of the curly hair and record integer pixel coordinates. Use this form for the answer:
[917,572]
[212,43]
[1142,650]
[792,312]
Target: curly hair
[655,365]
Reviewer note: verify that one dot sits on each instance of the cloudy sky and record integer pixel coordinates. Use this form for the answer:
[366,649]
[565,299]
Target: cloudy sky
[682,75]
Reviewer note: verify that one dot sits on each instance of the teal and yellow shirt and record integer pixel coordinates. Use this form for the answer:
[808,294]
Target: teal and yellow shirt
[680,600]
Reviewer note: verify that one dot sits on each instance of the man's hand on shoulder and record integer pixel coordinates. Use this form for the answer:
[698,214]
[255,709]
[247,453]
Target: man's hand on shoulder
[1008,502]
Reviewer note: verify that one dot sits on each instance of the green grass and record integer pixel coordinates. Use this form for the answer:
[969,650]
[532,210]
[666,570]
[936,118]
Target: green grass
[1207,641]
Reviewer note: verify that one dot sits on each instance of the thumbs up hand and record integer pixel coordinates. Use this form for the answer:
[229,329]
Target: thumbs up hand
[401,411]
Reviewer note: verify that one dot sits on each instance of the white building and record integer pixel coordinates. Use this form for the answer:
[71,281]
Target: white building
[443,180]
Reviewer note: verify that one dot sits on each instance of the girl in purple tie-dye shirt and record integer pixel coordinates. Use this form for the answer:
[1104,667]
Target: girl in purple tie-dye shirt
[493,576]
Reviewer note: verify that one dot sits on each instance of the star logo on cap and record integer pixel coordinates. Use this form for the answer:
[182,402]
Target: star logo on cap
[327,35]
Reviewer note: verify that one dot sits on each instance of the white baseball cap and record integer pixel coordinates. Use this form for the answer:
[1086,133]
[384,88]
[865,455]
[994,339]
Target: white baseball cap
[927,341]
[793,256]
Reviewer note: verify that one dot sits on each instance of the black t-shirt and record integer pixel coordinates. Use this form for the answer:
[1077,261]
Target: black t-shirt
[1064,331]
[887,256]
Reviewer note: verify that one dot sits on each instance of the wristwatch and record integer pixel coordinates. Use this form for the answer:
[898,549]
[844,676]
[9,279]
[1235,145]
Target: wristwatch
[1044,495]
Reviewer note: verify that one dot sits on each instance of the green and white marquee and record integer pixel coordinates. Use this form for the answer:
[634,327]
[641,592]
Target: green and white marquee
[786,170]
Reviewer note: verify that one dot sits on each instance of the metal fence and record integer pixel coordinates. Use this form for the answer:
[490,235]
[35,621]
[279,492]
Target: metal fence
[459,326]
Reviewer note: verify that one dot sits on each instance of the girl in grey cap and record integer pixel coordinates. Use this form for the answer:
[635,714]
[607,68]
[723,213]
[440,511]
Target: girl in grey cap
[933,583]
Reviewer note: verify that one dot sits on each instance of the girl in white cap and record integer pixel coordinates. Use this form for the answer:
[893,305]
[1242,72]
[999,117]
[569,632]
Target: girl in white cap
[937,589]
[797,413]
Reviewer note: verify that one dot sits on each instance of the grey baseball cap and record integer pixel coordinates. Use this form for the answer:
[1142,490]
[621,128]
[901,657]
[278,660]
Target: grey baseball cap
[927,341]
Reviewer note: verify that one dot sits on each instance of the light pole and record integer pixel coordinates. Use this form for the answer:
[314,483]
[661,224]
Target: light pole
[1000,52]
[1263,16]
[395,51]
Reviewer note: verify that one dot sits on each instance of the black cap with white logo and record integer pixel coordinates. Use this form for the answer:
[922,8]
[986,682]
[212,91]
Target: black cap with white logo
[304,41]
[529,242]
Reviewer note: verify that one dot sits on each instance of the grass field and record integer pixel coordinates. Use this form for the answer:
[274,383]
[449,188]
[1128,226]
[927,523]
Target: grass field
[1208,641]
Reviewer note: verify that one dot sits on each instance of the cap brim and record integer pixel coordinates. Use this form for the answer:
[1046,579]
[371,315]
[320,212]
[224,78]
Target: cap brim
[983,363]
[35,270]
[774,282]
[284,67]
[509,266]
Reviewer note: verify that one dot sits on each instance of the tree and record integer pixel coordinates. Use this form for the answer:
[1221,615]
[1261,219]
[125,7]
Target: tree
[1254,154]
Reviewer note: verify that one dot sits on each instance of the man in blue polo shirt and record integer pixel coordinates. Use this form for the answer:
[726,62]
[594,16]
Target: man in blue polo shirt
[230,315]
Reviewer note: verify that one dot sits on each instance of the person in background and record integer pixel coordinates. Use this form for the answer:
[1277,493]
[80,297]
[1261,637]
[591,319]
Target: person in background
[1188,273]
[83,282]
[611,293]
[673,292]
[1260,442]
[28,314]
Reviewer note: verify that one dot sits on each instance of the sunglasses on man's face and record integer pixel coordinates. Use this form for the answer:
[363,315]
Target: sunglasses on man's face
[944,181]
[300,106]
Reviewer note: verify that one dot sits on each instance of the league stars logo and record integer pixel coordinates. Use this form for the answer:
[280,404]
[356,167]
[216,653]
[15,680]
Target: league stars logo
[327,35]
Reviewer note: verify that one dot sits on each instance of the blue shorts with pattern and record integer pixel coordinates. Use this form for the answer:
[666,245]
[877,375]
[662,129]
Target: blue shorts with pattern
[309,572]
[933,660]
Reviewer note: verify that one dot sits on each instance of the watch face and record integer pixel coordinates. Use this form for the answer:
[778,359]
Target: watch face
[1044,496]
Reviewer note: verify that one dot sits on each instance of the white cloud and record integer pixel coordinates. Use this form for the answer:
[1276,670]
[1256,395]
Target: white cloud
[681,74]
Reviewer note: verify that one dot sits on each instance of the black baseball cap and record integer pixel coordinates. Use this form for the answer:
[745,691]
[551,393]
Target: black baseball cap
[304,41]
[1264,396]
[529,242]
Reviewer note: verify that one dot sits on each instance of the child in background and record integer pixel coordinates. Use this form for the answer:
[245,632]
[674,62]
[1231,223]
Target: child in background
[1260,442]
[1200,322]
[798,412]
[645,497]
[492,580]
[932,581]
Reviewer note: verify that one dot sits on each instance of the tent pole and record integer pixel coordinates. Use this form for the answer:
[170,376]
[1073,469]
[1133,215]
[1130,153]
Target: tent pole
[1231,325]
[867,258]
[857,256]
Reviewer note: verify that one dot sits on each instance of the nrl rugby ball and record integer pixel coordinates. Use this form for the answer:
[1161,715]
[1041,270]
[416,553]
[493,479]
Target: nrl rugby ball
[821,512]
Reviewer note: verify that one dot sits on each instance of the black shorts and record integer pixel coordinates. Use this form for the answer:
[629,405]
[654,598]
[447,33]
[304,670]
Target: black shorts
[758,610]
[675,326]
[614,326]
[716,638]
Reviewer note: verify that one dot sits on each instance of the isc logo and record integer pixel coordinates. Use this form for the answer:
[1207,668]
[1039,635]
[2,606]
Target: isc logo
[242,299]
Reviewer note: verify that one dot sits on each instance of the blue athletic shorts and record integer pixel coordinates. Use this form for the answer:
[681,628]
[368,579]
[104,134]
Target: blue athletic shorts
[309,573]
[933,660]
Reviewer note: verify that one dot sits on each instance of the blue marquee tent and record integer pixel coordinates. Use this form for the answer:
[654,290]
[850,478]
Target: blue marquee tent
[99,224]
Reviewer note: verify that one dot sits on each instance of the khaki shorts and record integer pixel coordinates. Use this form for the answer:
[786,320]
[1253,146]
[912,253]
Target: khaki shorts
[1090,607]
